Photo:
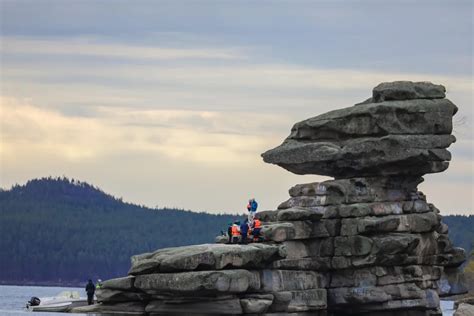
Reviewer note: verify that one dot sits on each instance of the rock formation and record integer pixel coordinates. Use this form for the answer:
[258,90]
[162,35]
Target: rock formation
[366,243]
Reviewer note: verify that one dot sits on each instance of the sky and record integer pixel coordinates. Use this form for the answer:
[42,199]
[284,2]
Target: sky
[168,103]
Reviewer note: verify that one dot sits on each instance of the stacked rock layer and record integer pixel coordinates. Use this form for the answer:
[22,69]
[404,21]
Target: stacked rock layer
[366,243]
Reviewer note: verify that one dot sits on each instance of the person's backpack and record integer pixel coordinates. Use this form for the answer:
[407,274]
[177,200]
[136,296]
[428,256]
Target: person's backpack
[254,206]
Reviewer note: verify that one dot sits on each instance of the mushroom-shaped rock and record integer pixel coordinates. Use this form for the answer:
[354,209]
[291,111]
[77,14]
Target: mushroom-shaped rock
[398,137]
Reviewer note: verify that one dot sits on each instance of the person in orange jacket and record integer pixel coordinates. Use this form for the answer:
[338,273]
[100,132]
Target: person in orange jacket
[256,227]
[235,232]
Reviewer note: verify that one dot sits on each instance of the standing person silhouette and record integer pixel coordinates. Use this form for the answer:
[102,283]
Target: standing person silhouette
[90,290]
[244,230]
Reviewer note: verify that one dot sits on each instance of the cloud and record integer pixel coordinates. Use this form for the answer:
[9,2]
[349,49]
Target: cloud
[292,90]
[232,73]
[91,47]
[207,137]
[28,130]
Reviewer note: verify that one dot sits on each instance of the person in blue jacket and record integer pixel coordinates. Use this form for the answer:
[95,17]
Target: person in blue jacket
[252,208]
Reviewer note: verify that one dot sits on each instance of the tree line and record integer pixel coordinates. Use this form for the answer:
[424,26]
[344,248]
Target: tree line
[62,231]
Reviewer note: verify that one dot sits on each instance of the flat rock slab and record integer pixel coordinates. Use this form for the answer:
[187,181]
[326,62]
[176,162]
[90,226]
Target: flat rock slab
[379,294]
[205,257]
[411,223]
[122,308]
[299,301]
[109,295]
[380,276]
[378,209]
[407,90]
[302,264]
[289,280]
[365,157]
[386,138]
[368,250]
[407,307]
[299,214]
[314,195]
[291,214]
[199,282]
[216,307]
[298,249]
[125,283]
[282,231]
[413,117]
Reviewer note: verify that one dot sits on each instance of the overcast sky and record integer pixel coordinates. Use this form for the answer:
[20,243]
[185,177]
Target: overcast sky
[170,104]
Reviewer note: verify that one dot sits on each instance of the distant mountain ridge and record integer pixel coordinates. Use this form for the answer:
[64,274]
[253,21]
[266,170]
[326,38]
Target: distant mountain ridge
[64,190]
[57,230]
[62,231]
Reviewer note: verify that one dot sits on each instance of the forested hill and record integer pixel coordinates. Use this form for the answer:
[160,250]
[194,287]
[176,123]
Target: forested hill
[61,231]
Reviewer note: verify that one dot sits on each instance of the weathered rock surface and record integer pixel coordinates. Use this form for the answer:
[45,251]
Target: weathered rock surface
[351,191]
[218,306]
[116,308]
[204,282]
[466,300]
[299,214]
[289,280]
[125,283]
[207,256]
[407,90]
[452,282]
[367,243]
[299,301]
[109,295]
[465,310]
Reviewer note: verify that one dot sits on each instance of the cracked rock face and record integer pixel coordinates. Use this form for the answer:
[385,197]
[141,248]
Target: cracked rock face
[366,243]
[405,129]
